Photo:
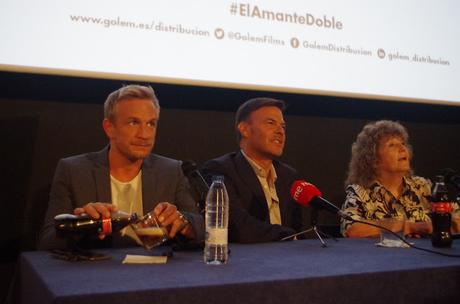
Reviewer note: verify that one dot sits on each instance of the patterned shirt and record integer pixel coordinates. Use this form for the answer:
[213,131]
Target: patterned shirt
[376,202]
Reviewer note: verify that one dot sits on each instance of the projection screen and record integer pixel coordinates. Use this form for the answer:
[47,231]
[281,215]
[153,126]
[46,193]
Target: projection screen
[393,50]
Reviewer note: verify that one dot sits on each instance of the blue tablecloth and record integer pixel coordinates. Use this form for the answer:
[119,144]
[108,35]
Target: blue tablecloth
[348,271]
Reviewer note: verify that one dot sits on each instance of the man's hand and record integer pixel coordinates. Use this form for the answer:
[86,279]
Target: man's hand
[95,210]
[170,217]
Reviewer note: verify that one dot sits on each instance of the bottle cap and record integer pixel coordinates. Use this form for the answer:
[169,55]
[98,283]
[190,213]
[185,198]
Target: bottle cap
[218,178]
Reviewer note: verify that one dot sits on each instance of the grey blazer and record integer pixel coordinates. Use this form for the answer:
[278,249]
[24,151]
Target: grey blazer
[85,178]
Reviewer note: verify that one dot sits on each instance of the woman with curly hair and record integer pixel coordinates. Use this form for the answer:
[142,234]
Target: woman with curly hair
[380,183]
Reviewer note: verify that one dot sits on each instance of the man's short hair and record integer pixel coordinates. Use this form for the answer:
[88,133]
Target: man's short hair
[244,111]
[132,91]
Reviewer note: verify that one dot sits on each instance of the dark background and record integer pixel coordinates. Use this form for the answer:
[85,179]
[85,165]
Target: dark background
[44,118]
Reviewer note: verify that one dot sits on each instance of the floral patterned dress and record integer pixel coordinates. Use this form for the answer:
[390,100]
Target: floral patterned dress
[376,202]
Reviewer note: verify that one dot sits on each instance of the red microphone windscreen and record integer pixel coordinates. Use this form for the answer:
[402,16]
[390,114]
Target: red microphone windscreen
[302,192]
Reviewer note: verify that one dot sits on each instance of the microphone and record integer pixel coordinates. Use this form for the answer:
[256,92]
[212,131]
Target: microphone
[198,184]
[451,177]
[305,194]
[452,181]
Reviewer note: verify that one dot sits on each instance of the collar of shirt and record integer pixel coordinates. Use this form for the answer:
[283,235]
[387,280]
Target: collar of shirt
[267,182]
[127,195]
[376,186]
[269,174]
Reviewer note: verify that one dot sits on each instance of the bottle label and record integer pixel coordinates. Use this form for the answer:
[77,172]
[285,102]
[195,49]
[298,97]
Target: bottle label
[217,236]
[441,207]
[106,227]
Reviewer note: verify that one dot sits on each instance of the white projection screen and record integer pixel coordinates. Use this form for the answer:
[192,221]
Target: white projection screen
[393,50]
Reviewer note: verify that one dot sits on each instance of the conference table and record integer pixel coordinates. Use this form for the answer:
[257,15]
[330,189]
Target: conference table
[347,271]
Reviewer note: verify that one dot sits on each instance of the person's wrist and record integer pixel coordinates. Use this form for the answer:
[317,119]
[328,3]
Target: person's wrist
[185,223]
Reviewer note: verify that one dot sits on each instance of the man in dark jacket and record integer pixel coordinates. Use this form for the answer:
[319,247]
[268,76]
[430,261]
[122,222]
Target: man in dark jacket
[261,207]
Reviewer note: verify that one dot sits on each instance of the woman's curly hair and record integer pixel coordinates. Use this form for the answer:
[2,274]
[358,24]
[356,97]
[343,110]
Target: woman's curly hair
[362,166]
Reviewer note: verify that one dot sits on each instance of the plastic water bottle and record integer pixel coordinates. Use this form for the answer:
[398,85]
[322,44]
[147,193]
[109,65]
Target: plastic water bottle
[216,243]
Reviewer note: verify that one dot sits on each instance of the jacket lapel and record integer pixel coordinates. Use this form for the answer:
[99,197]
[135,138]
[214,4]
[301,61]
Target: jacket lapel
[249,177]
[101,175]
[149,183]
[284,196]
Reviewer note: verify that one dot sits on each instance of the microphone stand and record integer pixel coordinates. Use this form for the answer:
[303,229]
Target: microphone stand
[314,227]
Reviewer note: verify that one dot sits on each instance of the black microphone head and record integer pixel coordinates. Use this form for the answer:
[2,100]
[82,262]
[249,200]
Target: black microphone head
[188,166]
[198,185]
[452,181]
[448,173]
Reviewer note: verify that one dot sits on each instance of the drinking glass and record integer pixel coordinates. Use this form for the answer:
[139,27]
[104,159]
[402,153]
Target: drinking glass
[388,239]
[149,231]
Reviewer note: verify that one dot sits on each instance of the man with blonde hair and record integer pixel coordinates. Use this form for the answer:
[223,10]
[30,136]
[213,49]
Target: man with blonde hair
[124,175]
